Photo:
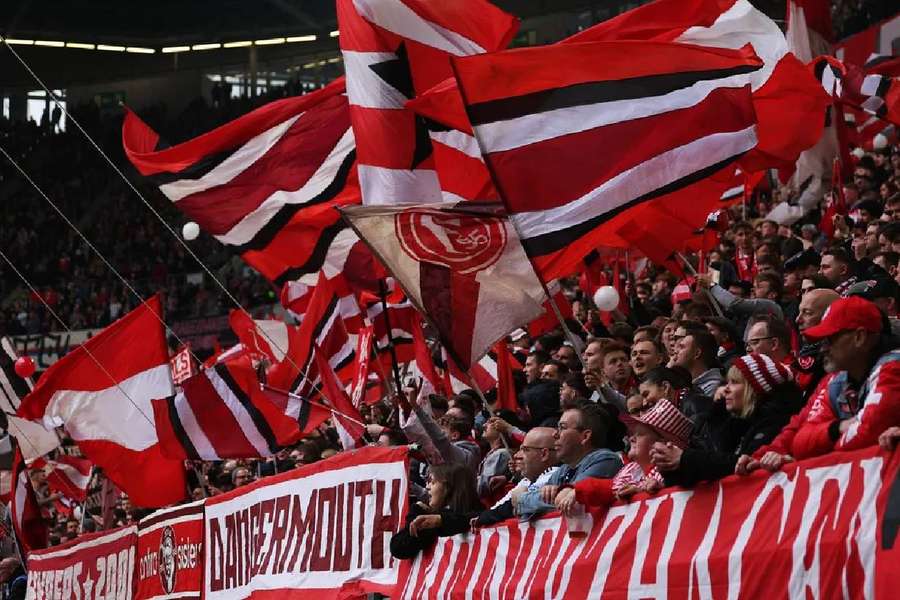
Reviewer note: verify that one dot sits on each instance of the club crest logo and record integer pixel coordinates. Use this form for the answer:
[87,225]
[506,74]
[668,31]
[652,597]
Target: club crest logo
[465,244]
[167,563]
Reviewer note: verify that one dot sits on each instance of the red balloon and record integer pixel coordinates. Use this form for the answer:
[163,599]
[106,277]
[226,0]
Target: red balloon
[24,367]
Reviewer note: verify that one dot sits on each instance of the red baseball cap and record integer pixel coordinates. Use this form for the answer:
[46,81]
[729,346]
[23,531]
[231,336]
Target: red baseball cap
[845,314]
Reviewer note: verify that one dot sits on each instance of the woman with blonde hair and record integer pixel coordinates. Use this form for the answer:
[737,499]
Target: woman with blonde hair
[756,402]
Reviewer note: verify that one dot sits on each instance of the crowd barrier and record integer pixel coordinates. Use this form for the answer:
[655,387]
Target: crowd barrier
[824,528]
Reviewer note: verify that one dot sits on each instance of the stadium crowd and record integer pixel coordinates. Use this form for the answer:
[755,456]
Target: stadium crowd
[665,392]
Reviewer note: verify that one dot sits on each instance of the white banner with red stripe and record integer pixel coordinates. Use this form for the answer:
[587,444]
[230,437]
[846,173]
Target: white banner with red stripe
[820,529]
[324,528]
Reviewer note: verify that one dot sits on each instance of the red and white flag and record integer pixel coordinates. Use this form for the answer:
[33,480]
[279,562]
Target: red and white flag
[346,417]
[265,184]
[263,338]
[461,265]
[69,475]
[25,512]
[394,49]
[578,135]
[102,393]
[222,413]
[363,364]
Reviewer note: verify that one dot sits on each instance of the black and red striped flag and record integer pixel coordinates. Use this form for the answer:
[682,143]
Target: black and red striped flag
[394,50]
[578,135]
[266,184]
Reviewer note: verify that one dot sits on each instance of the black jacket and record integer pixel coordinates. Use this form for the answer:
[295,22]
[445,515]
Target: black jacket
[729,436]
[404,545]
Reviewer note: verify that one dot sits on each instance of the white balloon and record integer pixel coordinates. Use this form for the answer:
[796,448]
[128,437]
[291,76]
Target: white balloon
[190,231]
[858,152]
[879,141]
[606,298]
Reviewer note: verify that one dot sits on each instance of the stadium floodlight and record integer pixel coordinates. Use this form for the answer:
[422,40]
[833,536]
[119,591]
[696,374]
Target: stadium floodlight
[139,50]
[80,46]
[172,49]
[49,43]
[334,33]
[269,42]
[109,48]
[302,38]
[206,46]
[19,42]
[237,44]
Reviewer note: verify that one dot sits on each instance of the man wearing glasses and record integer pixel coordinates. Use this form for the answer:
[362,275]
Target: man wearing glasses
[537,463]
[581,447]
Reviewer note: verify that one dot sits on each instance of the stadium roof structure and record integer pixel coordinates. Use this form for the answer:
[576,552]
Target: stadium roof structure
[95,40]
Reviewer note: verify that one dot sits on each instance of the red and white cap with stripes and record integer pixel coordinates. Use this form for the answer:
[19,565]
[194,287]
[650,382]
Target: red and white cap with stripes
[664,418]
[762,372]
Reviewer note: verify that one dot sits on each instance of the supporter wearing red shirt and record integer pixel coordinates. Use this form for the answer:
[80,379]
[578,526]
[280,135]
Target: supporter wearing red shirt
[856,402]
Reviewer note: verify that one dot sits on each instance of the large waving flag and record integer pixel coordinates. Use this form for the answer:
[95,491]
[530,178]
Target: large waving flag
[789,107]
[461,265]
[873,93]
[577,135]
[102,393]
[222,412]
[785,97]
[393,50]
[265,184]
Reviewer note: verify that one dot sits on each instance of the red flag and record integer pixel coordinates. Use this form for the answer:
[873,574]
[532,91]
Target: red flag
[506,386]
[549,320]
[102,393]
[392,51]
[363,363]
[423,357]
[69,475]
[25,512]
[265,184]
[549,119]
[347,420]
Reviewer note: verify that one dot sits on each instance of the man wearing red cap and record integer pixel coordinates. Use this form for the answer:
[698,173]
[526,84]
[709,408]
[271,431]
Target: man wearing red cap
[861,397]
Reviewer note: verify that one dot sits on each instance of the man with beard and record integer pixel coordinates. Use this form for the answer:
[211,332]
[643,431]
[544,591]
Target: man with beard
[856,402]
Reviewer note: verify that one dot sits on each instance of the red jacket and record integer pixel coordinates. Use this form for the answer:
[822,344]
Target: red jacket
[874,409]
[784,441]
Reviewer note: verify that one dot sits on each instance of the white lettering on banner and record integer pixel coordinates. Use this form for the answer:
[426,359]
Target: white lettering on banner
[810,532]
[305,532]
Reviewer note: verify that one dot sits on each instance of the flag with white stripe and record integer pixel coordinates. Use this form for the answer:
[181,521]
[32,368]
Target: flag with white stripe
[223,413]
[873,93]
[102,393]
[577,134]
[68,475]
[12,387]
[394,49]
[265,184]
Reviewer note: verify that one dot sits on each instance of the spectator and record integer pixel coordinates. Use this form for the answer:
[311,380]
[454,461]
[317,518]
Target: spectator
[757,402]
[452,503]
[537,458]
[646,355]
[662,423]
[582,448]
[696,351]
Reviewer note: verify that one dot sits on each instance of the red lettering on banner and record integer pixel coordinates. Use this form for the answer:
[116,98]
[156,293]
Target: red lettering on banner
[322,561]
[343,542]
[385,520]
[363,489]
[300,526]
[279,532]
[811,531]
[231,552]
[266,509]
[216,556]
